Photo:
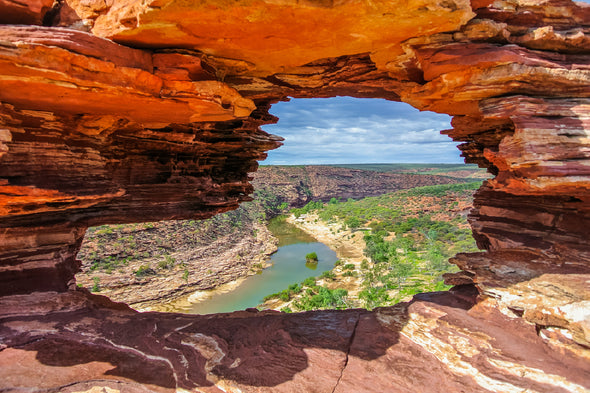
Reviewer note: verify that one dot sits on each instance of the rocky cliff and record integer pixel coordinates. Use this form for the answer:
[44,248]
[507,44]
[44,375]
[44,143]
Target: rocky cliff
[128,111]
[298,185]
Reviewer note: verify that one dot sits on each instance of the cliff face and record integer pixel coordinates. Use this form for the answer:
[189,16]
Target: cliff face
[298,185]
[165,126]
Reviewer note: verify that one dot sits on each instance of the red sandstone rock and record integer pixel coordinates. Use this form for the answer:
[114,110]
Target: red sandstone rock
[438,342]
[114,136]
[272,36]
[28,12]
[65,81]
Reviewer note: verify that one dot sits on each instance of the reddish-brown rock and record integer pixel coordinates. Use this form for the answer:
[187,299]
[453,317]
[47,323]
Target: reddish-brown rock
[94,132]
[24,12]
[110,139]
[271,37]
[299,185]
[438,342]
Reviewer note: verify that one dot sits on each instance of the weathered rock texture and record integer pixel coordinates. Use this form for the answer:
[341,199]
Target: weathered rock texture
[166,127]
[439,342]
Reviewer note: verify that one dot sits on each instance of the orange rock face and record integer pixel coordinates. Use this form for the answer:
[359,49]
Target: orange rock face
[152,111]
[29,12]
[273,36]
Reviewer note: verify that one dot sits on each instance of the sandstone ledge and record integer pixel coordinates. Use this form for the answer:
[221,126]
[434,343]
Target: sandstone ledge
[438,342]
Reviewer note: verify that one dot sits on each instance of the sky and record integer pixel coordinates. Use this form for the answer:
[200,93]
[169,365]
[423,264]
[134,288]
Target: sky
[345,130]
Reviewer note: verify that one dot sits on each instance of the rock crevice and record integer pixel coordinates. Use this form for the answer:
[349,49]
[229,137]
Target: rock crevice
[347,354]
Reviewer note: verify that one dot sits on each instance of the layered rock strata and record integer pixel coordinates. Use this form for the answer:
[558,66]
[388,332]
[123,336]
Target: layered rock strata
[93,132]
[165,126]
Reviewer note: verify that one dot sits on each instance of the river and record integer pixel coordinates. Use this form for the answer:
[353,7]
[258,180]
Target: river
[288,267]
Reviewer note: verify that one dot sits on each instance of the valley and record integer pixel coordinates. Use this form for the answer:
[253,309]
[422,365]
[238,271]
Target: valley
[159,266]
[390,247]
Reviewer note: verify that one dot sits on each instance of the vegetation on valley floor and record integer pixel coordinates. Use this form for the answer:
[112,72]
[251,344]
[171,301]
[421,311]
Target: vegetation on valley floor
[132,254]
[409,236]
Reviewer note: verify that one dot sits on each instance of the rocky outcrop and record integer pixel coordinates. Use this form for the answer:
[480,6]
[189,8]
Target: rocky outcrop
[147,266]
[163,124]
[458,345]
[94,133]
[30,12]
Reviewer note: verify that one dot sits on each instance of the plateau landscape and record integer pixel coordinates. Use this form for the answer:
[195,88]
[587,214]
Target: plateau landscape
[147,246]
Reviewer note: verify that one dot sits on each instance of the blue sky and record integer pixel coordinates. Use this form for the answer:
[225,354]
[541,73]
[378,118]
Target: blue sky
[344,130]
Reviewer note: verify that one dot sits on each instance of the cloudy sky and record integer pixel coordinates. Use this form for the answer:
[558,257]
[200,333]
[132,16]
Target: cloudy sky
[347,130]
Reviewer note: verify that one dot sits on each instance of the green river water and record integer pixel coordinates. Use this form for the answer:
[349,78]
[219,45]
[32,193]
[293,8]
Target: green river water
[288,267]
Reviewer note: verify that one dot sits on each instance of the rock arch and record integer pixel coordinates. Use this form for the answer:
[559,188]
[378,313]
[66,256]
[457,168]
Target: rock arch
[163,123]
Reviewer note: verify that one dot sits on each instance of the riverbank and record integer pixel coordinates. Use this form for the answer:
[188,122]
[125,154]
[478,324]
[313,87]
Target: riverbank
[152,265]
[286,266]
[347,244]
[392,247]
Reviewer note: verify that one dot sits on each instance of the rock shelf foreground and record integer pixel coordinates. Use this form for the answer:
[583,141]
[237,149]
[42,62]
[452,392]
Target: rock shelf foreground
[129,111]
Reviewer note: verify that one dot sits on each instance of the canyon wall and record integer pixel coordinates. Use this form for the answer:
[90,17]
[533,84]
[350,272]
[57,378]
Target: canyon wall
[125,111]
[298,185]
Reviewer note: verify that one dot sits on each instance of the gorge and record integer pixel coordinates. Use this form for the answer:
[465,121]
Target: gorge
[154,263]
[125,111]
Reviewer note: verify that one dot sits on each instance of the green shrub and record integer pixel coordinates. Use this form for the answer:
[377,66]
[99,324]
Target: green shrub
[324,298]
[96,286]
[349,266]
[271,296]
[167,263]
[285,295]
[312,257]
[374,297]
[353,222]
[144,271]
[105,230]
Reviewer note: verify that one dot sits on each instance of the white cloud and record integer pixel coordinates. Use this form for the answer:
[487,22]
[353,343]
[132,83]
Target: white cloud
[347,130]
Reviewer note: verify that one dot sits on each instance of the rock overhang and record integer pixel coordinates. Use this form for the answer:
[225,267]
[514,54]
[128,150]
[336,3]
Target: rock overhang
[275,36]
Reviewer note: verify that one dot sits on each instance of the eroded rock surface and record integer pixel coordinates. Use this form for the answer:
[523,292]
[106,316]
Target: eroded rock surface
[163,123]
[437,342]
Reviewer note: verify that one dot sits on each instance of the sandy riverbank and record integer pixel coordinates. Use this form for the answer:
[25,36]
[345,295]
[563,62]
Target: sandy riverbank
[348,246]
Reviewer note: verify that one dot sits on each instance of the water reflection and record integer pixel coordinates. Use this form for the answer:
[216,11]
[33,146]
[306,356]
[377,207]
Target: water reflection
[289,267]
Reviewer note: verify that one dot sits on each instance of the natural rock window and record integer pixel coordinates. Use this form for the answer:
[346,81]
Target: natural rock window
[153,112]
[174,265]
